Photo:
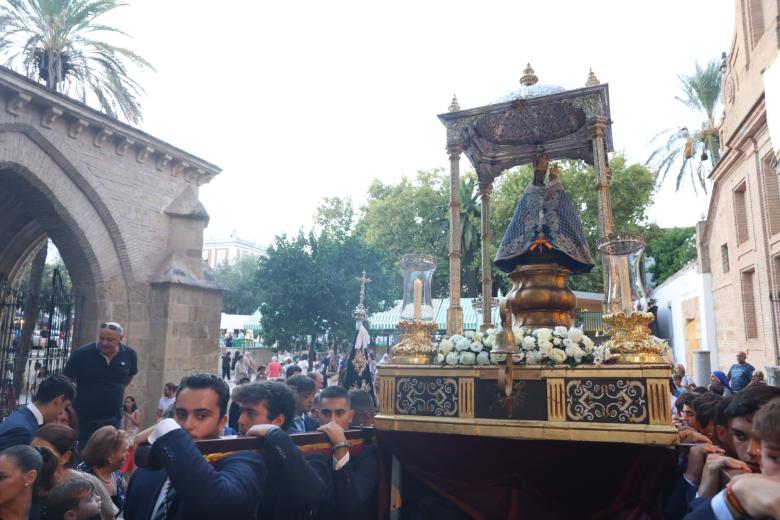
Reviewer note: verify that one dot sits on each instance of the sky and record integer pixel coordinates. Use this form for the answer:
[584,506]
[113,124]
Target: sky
[300,100]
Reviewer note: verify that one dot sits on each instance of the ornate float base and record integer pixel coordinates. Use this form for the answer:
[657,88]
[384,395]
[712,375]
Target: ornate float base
[415,347]
[607,403]
[631,341]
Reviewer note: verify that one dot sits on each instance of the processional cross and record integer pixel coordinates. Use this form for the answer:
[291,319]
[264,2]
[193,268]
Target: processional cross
[363,281]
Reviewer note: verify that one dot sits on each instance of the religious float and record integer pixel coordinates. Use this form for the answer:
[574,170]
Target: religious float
[531,420]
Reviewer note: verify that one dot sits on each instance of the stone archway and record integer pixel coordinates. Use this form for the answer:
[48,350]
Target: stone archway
[122,208]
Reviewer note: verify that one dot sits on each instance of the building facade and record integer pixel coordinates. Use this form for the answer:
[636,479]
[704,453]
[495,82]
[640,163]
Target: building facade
[739,243]
[229,250]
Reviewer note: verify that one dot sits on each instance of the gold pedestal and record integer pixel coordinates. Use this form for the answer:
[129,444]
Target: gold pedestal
[415,347]
[540,296]
[630,340]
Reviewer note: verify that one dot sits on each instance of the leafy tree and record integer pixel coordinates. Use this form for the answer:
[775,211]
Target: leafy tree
[237,278]
[701,94]
[631,190]
[670,249]
[335,216]
[53,41]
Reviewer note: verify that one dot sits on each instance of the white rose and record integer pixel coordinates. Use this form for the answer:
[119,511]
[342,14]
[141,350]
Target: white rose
[533,357]
[529,343]
[467,358]
[546,350]
[455,338]
[518,357]
[483,358]
[489,340]
[462,344]
[497,358]
[543,334]
[574,351]
[469,334]
[518,333]
[440,358]
[476,346]
[545,344]
[557,342]
[561,332]
[575,334]
[452,358]
[445,346]
[587,344]
[558,356]
[567,343]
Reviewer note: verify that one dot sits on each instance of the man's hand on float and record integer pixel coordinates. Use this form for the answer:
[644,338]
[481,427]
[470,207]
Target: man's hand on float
[710,477]
[261,430]
[758,494]
[697,456]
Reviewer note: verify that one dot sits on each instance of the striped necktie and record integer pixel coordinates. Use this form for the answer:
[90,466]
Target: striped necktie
[168,505]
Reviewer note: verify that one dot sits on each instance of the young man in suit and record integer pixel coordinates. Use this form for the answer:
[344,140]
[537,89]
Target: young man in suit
[295,485]
[188,487]
[355,480]
[304,389]
[53,395]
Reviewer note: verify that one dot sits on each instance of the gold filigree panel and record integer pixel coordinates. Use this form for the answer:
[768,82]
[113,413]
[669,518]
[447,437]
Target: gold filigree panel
[556,400]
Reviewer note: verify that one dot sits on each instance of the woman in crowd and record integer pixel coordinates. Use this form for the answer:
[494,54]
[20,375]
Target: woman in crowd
[719,384]
[131,423]
[68,417]
[240,369]
[23,471]
[686,381]
[104,455]
[60,440]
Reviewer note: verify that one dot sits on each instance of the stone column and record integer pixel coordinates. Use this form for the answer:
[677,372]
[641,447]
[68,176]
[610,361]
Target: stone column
[596,129]
[485,189]
[455,311]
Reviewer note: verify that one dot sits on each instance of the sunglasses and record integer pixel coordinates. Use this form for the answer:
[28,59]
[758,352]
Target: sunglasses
[111,326]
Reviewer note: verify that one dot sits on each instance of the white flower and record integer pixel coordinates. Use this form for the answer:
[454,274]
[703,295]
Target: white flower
[601,354]
[546,349]
[587,344]
[452,358]
[497,358]
[533,357]
[455,338]
[558,356]
[476,346]
[557,342]
[568,343]
[483,358]
[462,344]
[445,346]
[440,358]
[544,344]
[469,334]
[518,357]
[543,334]
[575,334]
[574,351]
[561,332]
[529,343]
[492,331]
[467,358]
[518,333]
[489,340]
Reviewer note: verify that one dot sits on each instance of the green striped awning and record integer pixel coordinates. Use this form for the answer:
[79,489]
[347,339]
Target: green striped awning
[386,321]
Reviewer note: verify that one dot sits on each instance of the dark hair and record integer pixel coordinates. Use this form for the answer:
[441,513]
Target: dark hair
[73,418]
[292,369]
[135,404]
[170,386]
[40,459]
[335,392]
[720,411]
[66,497]
[766,422]
[277,397]
[63,438]
[102,444]
[750,399]
[200,381]
[686,398]
[706,406]
[54,386]
[302,384]
[360,401]
[700,390]
[243,380]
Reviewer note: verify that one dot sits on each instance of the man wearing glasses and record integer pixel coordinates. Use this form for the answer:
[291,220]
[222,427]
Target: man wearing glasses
[102,370]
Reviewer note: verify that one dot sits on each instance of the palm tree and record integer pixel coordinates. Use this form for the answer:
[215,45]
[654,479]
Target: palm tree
[52,41]
[701,94]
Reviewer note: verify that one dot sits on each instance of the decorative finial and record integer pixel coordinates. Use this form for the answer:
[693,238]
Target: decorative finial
[454,106]
[592,80]
[360,311]
[528,78]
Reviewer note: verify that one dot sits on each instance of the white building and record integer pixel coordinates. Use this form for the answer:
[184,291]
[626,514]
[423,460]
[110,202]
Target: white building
[686,318]
[224,250]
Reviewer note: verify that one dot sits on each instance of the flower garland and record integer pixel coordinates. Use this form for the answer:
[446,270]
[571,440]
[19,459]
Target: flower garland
[541,346]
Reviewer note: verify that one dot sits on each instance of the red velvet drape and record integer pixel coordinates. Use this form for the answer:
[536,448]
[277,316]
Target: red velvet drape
[492,478]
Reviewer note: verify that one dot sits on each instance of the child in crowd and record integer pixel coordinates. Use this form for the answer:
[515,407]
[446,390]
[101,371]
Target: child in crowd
[766,428]
[74,499]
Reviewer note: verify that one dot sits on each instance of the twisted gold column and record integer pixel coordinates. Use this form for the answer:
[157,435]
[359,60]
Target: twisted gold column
[485,189]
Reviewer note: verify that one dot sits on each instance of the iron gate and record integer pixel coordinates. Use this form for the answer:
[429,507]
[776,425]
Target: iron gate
[50,342]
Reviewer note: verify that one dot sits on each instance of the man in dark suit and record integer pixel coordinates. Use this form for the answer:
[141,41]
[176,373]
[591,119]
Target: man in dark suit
[188,487]
[354,480]
[53,395]
[296,484]
[304,389]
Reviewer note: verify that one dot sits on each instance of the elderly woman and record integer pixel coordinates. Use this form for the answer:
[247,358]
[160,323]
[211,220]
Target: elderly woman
[60,440]
[104,455]
[719,384]
[685,380]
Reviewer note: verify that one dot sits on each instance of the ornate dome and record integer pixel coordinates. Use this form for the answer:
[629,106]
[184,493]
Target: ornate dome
[533,91]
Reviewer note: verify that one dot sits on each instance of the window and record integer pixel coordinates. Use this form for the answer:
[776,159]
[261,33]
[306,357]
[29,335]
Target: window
[724,257]
[772,195]
[740,213]
[749,303]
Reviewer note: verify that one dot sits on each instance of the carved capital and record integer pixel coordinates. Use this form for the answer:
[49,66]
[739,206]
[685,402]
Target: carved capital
[17,103]
[180,168]
[50,116]
[102,136]
[124,145]
[143,154]
[454,152]
[163,160]
[485,189]
[597,126]
[77,127]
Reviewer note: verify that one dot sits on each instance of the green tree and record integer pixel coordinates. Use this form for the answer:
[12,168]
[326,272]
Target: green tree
[336,216]
[54,42]
[237,278]
[670,249]
[701,94]
[631,190]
